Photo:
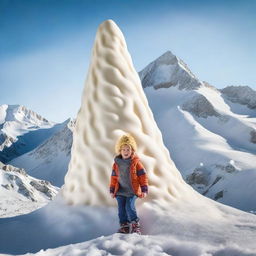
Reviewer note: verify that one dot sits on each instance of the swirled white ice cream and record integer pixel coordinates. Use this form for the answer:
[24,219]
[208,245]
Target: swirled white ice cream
[113,103]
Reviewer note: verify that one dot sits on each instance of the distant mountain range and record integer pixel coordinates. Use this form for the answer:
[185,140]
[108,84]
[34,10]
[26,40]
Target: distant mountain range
[210,134]
[39,151]
[22,130]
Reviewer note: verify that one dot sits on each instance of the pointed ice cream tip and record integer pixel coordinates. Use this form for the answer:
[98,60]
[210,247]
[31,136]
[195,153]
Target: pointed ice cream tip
[108,25]
[109,35]
[114,103]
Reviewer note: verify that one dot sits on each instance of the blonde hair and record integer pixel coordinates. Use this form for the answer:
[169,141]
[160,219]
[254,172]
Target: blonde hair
[126,139]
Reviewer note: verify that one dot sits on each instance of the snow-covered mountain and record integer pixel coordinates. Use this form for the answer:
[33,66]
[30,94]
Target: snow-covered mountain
[176,220]
[21,130]
[49,161]
[210,133]
[21,193]
[167,71]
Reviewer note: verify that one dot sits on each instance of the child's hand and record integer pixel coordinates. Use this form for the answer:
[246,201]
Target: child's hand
[144,194]
[112,195]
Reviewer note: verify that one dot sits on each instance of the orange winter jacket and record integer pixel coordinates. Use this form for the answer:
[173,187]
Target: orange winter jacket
[138,177]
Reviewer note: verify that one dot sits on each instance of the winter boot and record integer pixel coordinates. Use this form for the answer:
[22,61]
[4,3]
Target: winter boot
[124,228]
[136,227]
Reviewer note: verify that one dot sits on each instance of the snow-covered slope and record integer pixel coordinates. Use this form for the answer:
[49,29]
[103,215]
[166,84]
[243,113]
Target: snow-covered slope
[49,161]
[21,130]
[173,210]
[212,146]
[20,193]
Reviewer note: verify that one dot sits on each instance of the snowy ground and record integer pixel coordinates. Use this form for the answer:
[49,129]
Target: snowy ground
[87,230]
[135,245]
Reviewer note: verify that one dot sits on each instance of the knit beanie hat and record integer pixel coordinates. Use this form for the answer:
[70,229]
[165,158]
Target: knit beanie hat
[126,139]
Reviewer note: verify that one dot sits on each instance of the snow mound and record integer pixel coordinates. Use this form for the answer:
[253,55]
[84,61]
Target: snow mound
[166,71]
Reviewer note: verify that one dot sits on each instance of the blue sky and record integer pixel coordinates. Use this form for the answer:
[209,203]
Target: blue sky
[45,45]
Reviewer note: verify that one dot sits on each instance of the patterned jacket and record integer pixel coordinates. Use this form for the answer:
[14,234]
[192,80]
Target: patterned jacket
[138,177]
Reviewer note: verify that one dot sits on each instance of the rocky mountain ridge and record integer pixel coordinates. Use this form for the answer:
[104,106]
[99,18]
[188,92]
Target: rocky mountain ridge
[21,193]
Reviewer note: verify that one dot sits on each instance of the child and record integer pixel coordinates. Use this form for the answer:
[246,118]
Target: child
[128,181]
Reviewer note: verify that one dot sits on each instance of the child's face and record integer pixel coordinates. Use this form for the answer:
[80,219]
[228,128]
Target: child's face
[126,151]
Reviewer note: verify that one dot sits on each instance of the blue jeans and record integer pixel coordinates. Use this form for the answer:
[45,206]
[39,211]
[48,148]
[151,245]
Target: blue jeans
[126,209]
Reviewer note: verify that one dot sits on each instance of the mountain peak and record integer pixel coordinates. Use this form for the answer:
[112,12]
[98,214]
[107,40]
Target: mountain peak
[16,121]
[20,113]
[168,58]
[167,71]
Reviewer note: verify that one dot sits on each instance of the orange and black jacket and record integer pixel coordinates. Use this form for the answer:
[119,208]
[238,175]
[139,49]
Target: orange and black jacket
[138,177]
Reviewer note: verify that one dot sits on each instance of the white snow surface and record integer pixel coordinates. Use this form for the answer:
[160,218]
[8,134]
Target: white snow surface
[128,245]
[90,230]
[21,193]
[175,219]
